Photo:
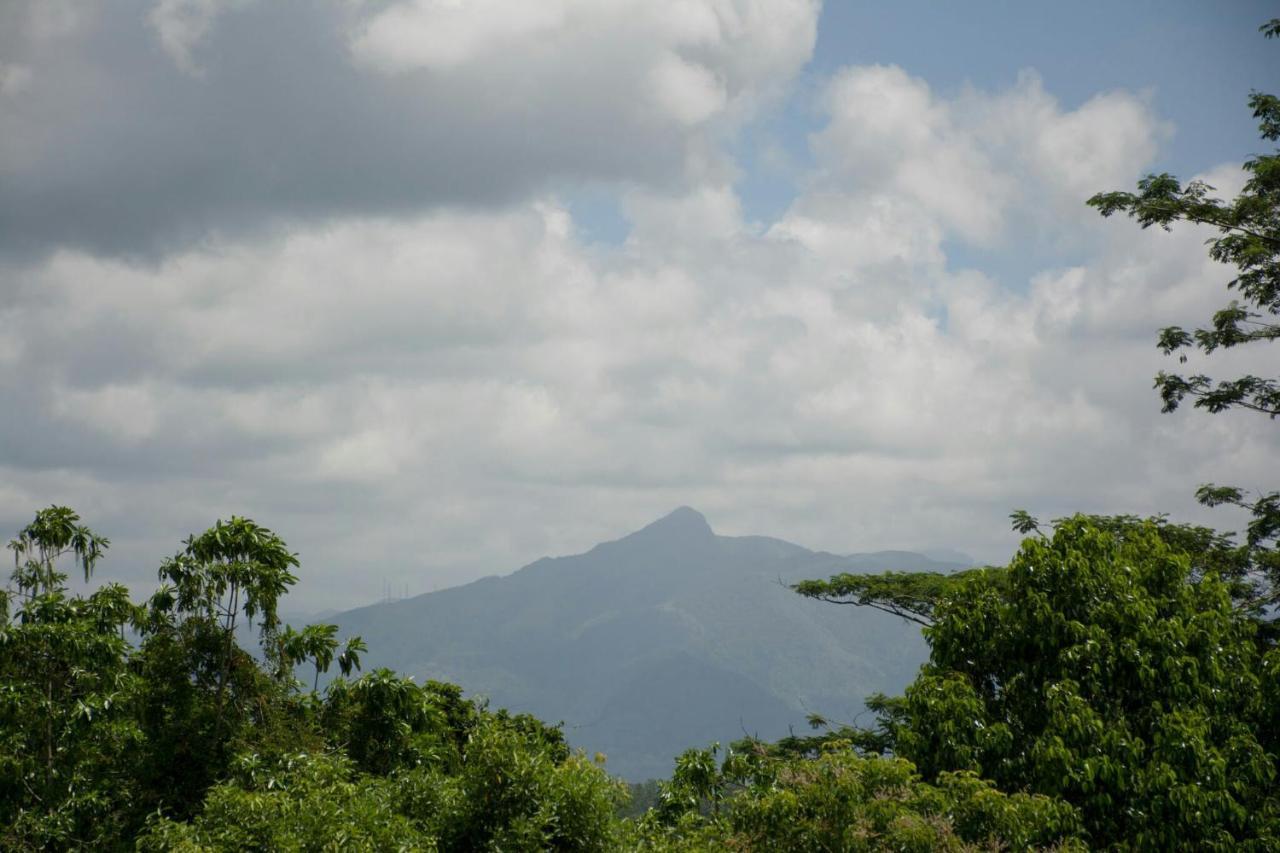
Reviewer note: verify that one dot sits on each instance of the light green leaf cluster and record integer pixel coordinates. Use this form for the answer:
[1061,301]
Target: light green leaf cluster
[301,802]
[840,801]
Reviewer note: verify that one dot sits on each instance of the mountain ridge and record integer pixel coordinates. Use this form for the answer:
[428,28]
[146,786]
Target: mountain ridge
[664,638]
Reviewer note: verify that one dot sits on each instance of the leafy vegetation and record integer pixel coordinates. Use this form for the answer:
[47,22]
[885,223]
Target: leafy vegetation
[1127,667]
[1104,689]
[1117,685]
[910,595]
[1102,674]
[126,724]
[839,800]
[1249,240]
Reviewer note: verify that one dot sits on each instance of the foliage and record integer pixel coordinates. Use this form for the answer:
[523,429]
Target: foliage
[385,722]
[514,791]
[910,595]
[840,801]
[880,740]
[495,783]
[66,735]
[641,796]
[202,697]
[299,802]
[1248,228]
[915,596]
[1102,689]
[1104,674]
[188,741]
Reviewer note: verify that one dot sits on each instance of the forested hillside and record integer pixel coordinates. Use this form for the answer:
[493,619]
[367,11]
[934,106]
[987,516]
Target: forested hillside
[668,637]
[1106,681]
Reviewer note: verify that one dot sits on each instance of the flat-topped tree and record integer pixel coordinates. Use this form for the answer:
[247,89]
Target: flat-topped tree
[910,595]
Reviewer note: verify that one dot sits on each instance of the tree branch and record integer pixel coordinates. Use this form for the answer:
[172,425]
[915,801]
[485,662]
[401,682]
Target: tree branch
[893,611]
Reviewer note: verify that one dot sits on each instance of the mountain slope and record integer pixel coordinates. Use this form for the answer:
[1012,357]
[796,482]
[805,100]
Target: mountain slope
[667,638]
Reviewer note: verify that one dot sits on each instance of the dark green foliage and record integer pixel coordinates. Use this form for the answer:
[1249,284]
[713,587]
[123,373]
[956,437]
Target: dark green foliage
[452,777]
[514,792]
[299,802]
[1249,228]
[914,596]
[66,733]
[1103,689]
[1102,672]
[880,740]
[188,741]
[202,697]
[642,796]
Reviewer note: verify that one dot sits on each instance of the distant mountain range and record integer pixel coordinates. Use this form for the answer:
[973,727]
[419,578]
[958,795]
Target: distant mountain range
[668,638]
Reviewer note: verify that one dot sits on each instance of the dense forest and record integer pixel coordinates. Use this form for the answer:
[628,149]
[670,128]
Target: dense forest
[1115,685]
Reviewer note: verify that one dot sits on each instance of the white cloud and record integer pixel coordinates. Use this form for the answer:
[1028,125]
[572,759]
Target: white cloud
[124,412]
[889,134]
[439,390]
[687,60]
[466,372]
[687,91]
[968,162]
[443,34]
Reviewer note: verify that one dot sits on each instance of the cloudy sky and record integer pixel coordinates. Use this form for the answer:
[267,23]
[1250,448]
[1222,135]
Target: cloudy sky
[437,287]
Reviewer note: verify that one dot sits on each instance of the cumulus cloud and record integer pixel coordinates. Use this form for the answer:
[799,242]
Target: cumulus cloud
[173,121]
[968,161]
[441,35]
[417,391]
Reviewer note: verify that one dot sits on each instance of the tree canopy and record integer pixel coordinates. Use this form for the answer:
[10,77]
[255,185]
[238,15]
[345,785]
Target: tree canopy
[126,724]
[1248,229]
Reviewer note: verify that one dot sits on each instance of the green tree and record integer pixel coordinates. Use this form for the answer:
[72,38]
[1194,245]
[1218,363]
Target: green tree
[297,802]
[66,731]
[909,595]
[55,533]
[190,742]
[837,800]
[318,644]
[1248,239]
[1103,673]
[915,596]
[235,568]
[203,697]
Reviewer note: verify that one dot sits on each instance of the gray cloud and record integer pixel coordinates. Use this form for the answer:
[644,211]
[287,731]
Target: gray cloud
[314,270]
[279,112]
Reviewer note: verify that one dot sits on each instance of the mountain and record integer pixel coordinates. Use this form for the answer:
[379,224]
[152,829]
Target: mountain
[668,638]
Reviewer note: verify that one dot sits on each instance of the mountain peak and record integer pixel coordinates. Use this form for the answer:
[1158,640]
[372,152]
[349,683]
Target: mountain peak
[684,522]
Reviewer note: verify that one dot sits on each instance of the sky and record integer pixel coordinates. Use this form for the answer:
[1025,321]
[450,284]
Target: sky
[434,288]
